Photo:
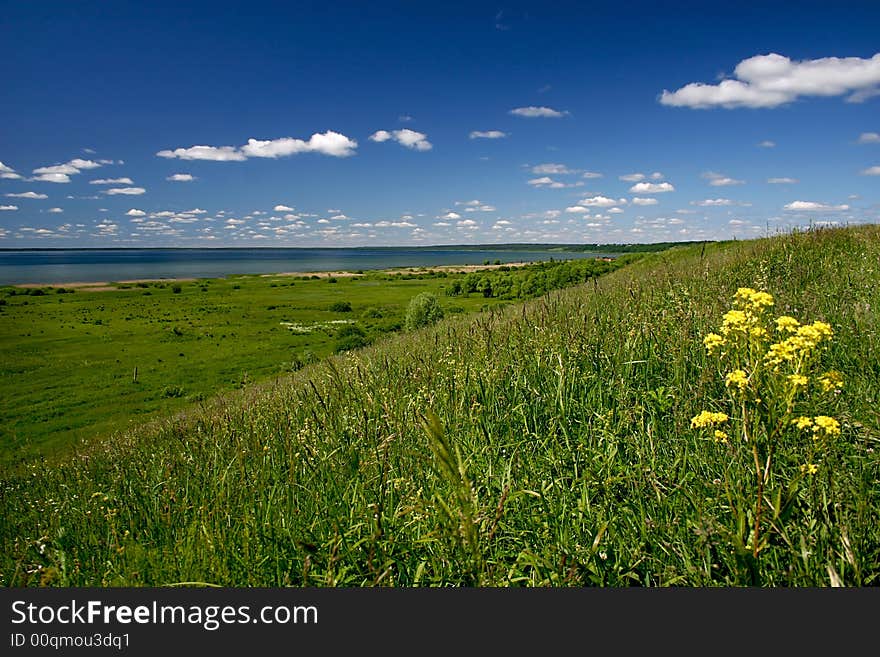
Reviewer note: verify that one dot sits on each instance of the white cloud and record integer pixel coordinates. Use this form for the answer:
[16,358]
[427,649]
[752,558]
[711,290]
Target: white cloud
[7,208]
[450,216]
[27,195]
[467,223]
[615,211]
[546,181]
[812,206]
[55,210]
[591,174]
[283,208]
[86,164]
[871,171]
[476,206]
[214,153]
[773,80]
[577,209]
[65,169]
[632,177]
[128,191]
[600,202]
[180,177]
[782,181]
[134,212]
[8,172]
[326,143]
[712,202]
[52,178]
[720,180]
[864,138]
[652,188]
[442,224]
[409,138]
[112,181]
[532,112]
[767,144]
[487,134]
[637,200]
[551,168]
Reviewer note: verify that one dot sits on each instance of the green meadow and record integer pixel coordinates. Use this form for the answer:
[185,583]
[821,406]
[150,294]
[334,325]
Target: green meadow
[596,435]
[79,365]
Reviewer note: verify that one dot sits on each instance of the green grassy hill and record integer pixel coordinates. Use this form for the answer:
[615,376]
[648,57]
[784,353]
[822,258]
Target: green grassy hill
[547,443]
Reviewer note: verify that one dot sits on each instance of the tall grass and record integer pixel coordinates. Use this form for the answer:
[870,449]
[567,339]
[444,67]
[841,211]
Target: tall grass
[545,444]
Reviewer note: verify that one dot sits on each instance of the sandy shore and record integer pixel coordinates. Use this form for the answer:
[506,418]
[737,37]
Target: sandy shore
[107,286]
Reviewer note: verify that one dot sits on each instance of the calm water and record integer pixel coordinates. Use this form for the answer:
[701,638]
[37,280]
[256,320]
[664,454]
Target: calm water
[87,266]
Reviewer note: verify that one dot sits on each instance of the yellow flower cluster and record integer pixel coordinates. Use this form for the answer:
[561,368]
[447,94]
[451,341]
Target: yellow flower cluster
[798,380]
[831,381]
[712,342]
[746,297]
[708,418]
[820,424]
[720,436]
[809,468]
[737,378]
[786,323]
[799,345]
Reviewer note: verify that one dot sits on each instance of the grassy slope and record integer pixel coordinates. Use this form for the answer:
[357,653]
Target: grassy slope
[570,414]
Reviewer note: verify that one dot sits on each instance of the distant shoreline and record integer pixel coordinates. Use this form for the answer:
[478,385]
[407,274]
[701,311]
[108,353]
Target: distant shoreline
[109,286]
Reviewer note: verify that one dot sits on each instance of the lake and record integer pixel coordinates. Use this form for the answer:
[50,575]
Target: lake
[94,265]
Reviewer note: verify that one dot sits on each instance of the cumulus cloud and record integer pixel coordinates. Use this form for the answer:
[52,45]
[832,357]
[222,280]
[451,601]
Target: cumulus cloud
[134,212]
[112,181]
[600,202]
[591,174]
[476,206]
[283,208]
[577,209]
[632,177]
[812,206]
[214,153]
[547,181]
[767,144]
[52,178]
[8,172]
[772,80]
[327,143]
[871,171]
[782,181]
[55,210]
[864,138]
[409,138]
[27,195]
[720,180]
[637,200]
[652,188]
[487,134]
[449,216]
[8,208]
[180,177]
[532,112]
[127,191]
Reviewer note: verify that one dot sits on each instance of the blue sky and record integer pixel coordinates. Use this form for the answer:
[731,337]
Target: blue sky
[346,124]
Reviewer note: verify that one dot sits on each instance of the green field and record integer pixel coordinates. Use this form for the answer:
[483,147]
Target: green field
[545,443]
[78,366]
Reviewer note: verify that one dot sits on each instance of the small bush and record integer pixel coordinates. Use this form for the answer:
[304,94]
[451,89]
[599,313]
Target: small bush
[424,309]
[372,313]
[340,307]
[349,337]
[176,289]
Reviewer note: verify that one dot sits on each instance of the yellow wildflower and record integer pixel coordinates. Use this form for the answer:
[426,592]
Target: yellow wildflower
[798,380]
[802,422]
[712,342]
[708,418]
[737,378]
[786,323]
[734,321]
[831,381]
[829,425]
[758,332]
[809,468]
[720,436]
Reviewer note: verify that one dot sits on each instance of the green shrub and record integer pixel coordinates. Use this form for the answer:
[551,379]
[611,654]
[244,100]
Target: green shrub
[424,309]
[340,307]
[349,337]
